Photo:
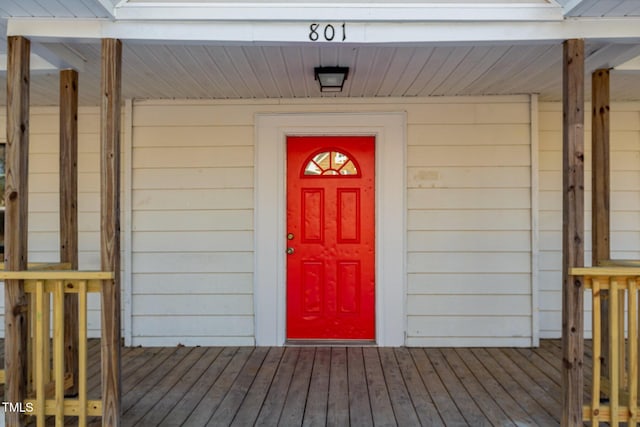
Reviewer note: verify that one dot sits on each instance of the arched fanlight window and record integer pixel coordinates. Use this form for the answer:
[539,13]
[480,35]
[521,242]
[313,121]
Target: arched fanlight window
[329,163]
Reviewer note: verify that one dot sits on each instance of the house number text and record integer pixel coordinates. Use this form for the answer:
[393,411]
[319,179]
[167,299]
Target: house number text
[327,32]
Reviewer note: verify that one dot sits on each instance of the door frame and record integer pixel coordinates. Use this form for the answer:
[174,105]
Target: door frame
[271,131]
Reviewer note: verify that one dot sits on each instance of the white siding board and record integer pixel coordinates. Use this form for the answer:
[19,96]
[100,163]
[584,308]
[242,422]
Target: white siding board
[178,262]
[193,241]
[192,136]
[469,177]
[476,198]
[222,326]
[469,305]
[199,220]
[470,241]
[200,199]
[469,283]
[193,304]
[183,157]
[498,155]
[469,326]
[472,219]
[469,262]
[468,134]
[193,178]
[625,201]
[196,283]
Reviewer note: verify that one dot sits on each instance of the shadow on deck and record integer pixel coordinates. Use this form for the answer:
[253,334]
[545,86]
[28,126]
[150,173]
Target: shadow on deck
[293,386]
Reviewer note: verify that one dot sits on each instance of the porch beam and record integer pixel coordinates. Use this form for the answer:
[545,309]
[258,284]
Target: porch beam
[16,231]
[600,194]
[69,212]
[110,228]
[572,230]
[383,31]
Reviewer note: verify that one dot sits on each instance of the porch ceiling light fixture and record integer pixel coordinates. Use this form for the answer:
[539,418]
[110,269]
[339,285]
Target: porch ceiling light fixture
[331,79]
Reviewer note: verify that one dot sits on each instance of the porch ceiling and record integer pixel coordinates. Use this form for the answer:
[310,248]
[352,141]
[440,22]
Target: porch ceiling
[193,69]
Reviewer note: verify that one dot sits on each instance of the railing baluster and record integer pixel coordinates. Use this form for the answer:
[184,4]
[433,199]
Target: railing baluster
[58,356]
[614,365]
[39,353]
[47,330]
[595,391]
[82,353]
[633,352]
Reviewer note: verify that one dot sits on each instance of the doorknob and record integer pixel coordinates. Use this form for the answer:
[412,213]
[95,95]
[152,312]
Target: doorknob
[290,251]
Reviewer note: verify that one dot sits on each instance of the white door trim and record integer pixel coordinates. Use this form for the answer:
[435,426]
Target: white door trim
[270,216]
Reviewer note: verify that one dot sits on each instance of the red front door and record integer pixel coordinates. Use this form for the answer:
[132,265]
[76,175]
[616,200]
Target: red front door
[330,237]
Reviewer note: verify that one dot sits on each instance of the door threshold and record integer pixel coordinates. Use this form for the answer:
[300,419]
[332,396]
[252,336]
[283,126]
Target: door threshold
[329,343]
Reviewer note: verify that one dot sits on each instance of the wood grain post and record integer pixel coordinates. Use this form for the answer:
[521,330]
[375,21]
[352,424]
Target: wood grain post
[572,230]
[69,213]
[600,195]
[110,228]
[16,230]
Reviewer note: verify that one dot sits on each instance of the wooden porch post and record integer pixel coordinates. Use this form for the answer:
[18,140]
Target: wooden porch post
[16,231]
[110,228]
[572,230]
[600,193]
[69,212]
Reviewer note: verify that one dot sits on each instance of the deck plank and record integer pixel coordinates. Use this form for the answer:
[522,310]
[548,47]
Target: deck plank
[195,394]
[274,402]
[463,400]
[167,401]
[296,398]
[250,407]
[420,396]
[551,405]
[528,403]
[381,408]
[227,409]
[441,398]
[495,389]
[485,402]
[336,386]
[315,413]
[161,381]
[405,412]
[211,400]
[359,406]
[338,405]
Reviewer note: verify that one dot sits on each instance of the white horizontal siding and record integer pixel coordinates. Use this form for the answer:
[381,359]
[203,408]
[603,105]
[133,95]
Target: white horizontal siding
[44,201]
[625,202]
[469,222]
[192,223]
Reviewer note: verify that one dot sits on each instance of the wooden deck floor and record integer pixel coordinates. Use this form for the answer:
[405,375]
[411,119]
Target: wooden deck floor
[319,386]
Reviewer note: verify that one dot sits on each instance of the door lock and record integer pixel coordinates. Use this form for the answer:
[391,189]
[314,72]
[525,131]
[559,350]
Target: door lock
[290,236]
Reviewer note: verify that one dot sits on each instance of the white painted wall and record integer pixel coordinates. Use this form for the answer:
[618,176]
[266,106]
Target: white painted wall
[468,236]
[44,184]
[625,202]
[192,232]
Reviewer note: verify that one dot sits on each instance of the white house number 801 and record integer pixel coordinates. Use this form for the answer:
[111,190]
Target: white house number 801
[327,32]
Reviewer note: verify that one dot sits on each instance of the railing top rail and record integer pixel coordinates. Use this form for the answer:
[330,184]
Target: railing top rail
[605,271]
[620,263]
[44,266]
[56,275]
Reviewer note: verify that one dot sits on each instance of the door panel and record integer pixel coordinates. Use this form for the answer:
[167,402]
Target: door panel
[331,238]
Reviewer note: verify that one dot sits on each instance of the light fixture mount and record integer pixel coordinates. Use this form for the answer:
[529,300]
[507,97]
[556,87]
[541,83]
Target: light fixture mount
[331,79]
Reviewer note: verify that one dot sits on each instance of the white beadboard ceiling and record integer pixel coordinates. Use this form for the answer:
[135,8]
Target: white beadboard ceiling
[206,71]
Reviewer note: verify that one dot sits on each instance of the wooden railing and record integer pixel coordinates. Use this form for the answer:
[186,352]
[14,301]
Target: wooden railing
[614,397]
[48,380]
